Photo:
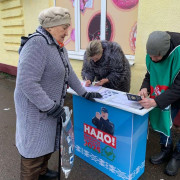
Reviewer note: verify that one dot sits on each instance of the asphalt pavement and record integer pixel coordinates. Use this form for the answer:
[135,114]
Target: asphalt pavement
[10,158]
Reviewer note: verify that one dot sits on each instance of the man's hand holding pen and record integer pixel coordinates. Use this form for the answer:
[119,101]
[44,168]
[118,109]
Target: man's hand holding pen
[99,83]
[143,93]
[146,102]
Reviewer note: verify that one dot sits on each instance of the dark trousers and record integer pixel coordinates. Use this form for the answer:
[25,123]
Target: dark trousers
[31,168]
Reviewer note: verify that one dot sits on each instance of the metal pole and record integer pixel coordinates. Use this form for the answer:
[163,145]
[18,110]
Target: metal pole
[59,165]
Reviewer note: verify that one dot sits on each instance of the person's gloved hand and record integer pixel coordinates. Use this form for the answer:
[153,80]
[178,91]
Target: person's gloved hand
[91,95]
[57,112]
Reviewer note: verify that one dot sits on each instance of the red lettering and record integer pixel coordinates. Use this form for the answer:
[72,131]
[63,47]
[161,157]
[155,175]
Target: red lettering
[85,144]
[100,135]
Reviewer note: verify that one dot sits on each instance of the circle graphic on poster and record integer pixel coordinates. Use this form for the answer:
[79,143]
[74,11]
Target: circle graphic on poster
[94,28]
[133,37]
[125,4]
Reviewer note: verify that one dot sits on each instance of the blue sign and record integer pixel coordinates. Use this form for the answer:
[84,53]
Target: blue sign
[110,139]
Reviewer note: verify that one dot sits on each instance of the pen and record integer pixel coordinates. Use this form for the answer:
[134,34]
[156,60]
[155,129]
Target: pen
[94,81]
[141,108]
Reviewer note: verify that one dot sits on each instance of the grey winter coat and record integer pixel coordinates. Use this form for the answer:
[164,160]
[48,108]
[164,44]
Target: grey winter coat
[113,65]
[43,73]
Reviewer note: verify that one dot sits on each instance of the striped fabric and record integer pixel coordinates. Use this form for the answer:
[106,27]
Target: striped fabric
[41,80]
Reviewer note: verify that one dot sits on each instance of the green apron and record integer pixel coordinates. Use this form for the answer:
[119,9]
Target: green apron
[162,75]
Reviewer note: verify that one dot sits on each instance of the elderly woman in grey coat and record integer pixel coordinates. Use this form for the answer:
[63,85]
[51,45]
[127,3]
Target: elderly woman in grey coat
[44,71]
[106,63]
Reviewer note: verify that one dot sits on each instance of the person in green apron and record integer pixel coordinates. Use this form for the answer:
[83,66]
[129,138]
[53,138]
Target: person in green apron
[161,89]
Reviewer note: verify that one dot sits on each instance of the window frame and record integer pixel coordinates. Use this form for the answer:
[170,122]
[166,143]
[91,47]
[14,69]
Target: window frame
[78,54]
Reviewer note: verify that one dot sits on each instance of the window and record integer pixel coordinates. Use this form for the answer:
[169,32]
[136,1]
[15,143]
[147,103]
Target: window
[113,20]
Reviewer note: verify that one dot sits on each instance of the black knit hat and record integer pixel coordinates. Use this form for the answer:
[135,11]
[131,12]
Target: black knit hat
[158,43]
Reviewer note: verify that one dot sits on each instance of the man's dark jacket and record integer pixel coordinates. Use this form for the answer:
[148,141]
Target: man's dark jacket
[171,95]
[113,65]
[104,125]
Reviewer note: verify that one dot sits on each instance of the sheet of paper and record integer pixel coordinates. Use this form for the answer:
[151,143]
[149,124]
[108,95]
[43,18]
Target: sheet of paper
[91,88]
[107,93]
[122,99]
[112,97]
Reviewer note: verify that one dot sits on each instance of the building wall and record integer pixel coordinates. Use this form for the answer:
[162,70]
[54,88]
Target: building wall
[152,15]
[163,15]
[17,18]
[31,12]
[11,28]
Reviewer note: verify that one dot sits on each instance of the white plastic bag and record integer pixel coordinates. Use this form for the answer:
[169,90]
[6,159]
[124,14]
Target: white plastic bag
[67,143]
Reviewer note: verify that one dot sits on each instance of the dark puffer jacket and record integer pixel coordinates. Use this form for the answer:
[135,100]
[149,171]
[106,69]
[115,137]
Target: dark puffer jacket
[113,65]
[104,125]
